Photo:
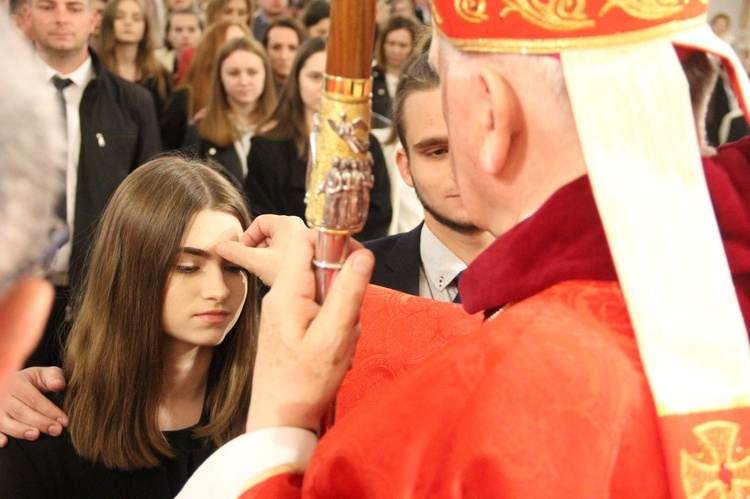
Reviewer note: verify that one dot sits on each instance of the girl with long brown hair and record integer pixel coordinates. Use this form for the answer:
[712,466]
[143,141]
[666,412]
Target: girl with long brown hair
[189,100]
[160,357]
[127,48]
[242,94]
[277,164]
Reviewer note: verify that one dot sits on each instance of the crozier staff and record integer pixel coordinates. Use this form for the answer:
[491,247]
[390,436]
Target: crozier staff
[340,176]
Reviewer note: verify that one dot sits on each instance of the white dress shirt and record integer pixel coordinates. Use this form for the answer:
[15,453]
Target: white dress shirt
[242,146]
[73,94]
[440,266]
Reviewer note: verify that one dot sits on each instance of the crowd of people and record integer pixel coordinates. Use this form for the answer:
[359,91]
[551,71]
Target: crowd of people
[230,82]
[172,48]
[179,146]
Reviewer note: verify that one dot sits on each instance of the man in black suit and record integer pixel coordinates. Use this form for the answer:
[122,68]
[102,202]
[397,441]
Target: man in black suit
[111,129]
[426,260]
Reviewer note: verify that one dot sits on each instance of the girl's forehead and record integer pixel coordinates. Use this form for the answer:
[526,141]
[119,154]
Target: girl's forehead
[211,227]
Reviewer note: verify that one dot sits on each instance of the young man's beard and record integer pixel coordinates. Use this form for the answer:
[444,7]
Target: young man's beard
[462,227]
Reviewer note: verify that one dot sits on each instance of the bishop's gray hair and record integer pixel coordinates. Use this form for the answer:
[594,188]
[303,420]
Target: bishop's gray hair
[539,67]
[32,156]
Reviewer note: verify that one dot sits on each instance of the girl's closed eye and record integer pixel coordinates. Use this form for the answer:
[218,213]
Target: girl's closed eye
[235,269]
[186,268]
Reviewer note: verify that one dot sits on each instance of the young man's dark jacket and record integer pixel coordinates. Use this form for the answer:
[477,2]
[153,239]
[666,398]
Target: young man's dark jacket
[119,132]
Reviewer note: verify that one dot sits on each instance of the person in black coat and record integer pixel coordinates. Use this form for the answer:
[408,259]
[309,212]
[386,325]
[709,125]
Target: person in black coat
[119,133]
[397,261]
[189,100]
[117,129]
[394,46]
[277,165]
[242,93]
[428,260]
[127,49]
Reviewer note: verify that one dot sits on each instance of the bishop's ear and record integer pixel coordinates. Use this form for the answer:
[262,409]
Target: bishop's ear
[499,118]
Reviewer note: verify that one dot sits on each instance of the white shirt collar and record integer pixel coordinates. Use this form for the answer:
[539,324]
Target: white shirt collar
[80,77]
[440,264]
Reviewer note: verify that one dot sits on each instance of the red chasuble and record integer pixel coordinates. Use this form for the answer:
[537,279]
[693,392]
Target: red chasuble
[545,399]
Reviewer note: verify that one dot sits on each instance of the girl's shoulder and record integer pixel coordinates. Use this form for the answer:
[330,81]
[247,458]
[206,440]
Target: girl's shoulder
[268,126]
[39,468]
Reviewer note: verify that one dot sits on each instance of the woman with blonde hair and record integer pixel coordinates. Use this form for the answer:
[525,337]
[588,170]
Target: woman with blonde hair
[127,48]
[189,100]
[242,94]
[160,357]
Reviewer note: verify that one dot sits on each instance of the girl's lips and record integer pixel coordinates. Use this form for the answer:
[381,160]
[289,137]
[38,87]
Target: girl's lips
[213,317]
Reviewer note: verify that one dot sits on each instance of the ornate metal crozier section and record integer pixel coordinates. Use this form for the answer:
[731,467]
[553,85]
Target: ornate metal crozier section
[339,176]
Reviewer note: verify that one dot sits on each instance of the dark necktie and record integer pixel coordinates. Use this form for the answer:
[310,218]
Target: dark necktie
[60,84]
[457,299]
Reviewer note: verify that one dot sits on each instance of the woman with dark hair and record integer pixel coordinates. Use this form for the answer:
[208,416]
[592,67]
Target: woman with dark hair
[317,18]
[277,164]
[282,40]
[242,94]
[394,46]
[189,101]
[127,48]
[184,29]
[160,357]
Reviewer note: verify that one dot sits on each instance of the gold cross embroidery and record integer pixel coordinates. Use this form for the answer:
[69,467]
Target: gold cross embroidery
[721,469]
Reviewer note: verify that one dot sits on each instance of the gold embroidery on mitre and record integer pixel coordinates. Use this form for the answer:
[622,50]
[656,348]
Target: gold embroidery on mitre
[721,469]
[472,10]
[560,15]
[645,9]
[436,15]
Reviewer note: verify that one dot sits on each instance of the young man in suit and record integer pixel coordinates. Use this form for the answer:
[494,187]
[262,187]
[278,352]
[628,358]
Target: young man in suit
[111,129]
[426,260]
